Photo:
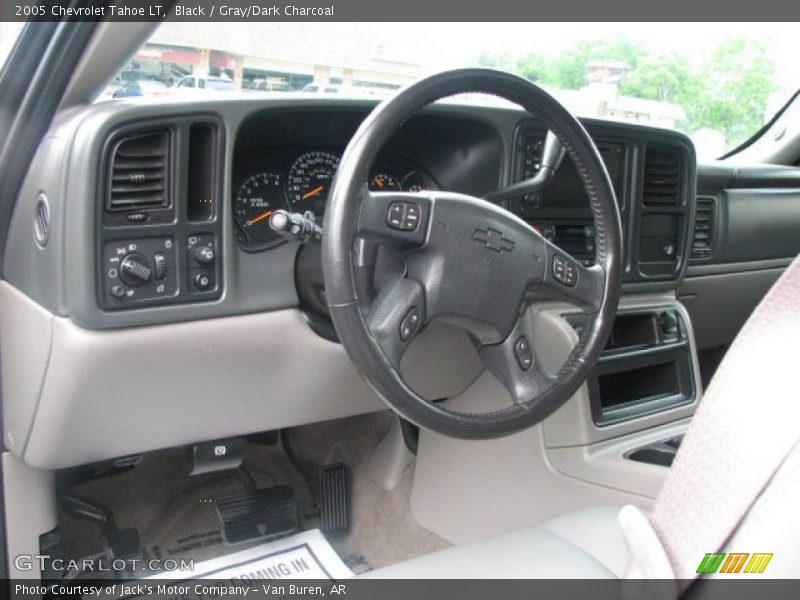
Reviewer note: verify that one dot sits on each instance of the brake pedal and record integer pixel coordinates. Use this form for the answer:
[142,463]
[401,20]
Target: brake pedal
[334,498]
[259,514]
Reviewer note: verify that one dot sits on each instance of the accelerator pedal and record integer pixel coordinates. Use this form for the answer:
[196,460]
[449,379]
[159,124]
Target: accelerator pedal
[259,514]
[334,498]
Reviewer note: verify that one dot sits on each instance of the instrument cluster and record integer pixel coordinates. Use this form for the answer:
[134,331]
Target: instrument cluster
[299,181]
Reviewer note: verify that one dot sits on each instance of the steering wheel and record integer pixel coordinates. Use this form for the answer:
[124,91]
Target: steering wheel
[468,262]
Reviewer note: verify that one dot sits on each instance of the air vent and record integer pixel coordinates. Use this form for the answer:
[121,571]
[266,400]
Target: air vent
[139,173]
[662,171]
[703,237]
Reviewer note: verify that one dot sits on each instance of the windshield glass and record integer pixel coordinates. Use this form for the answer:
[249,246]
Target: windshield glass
[717,82]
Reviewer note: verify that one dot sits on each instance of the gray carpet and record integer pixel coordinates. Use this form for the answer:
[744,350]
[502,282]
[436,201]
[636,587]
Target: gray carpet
[175,513]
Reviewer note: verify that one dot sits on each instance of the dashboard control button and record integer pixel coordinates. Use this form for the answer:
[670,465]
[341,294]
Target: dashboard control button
[202,281]
[204,255]
[403,216]
[117,291]
[134,270]
[564,271]
[160,263]
[409,324]
[523,354]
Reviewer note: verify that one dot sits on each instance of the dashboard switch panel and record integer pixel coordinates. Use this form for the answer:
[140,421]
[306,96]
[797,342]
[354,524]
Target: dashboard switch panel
[158,229]
[201,256]
[139,271]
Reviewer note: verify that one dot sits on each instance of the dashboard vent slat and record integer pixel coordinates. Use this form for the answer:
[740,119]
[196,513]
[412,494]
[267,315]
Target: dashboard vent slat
[703,237]
[138,178]
[662,172]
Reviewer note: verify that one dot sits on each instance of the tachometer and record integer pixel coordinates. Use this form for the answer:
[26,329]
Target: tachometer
[309,181]
[417,181]
[257,197]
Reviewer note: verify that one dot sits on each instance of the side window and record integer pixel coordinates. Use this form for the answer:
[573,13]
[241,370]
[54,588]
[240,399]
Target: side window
[187,82]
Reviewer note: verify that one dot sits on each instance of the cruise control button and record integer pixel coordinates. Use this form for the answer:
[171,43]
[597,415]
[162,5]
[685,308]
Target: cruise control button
[523,354]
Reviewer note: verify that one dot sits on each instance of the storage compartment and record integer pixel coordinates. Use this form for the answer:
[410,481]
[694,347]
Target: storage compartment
[638,384]
[200,201]
[633,330]
[660,453]
[646,366]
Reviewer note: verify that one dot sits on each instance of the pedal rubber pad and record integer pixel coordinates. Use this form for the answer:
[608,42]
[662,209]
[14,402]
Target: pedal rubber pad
[262,514]
[334,498]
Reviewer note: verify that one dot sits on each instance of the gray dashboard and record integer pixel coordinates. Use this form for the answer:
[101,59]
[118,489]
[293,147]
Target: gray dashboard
[86,380]
[472,149]
[752,223]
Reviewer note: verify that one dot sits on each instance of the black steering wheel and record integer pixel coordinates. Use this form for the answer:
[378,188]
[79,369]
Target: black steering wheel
[468,262]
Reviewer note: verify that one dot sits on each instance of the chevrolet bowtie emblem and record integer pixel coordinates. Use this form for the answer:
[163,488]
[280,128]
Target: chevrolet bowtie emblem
[493,240]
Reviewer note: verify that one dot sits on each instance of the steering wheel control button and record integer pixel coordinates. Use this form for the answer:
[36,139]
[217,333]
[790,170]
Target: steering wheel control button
[409,324]
[523,354]
[134,270]
[204,255]
[564,271]
[403,216]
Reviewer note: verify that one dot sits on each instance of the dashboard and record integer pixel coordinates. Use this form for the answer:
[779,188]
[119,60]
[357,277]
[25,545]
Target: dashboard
[157,311]
[298,180]
[207,333]
[177,229]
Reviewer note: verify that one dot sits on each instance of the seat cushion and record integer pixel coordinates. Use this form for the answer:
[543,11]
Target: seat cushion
[585,544]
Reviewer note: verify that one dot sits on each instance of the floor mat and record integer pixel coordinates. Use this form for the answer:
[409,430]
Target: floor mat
[176,518]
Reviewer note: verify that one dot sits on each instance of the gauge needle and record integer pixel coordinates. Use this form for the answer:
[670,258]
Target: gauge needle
[313,192]
[260,217]
[377,182]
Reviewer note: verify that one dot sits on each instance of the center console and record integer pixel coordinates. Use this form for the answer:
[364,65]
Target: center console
[646,366]
[652,172]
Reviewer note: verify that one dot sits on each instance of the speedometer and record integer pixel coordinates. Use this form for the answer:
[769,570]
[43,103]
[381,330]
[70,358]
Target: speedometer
[257,197]
[310,180]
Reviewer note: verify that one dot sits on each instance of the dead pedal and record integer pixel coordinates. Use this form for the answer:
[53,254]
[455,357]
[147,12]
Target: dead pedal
[334,498]
[260,514]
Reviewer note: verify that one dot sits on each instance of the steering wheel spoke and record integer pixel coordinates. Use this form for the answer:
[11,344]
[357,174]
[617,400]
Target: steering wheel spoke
[515,363]
[396,316]
[566,278]
[396,219]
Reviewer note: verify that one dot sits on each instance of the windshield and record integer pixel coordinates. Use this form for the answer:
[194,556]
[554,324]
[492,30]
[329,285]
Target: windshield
[717,82]
[225,85]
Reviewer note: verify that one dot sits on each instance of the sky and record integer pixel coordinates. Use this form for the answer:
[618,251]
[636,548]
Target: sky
[460,41]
